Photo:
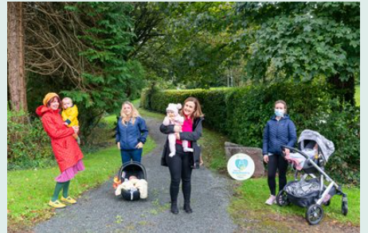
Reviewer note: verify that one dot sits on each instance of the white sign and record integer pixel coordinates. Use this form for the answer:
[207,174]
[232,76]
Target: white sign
[240,166]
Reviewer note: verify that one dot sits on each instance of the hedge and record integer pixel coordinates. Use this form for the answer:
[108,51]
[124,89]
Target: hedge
[28,146]
[241,114]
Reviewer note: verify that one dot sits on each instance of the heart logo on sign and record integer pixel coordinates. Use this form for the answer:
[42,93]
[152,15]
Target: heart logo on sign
[241,163]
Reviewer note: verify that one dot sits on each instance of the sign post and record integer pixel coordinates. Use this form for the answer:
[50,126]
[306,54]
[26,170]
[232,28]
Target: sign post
[240,166]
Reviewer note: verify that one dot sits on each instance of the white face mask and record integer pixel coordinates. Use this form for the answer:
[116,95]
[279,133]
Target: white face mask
[279,112]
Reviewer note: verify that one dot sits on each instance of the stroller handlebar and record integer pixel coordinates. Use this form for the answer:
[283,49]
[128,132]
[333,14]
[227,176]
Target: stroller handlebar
[296,150]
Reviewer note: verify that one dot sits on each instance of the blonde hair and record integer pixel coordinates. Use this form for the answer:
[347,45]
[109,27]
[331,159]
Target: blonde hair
[197,109]
[133,115]
[66,98]
[281,102]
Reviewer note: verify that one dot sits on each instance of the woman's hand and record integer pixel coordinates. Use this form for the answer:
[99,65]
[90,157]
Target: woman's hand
[177,128]
[118,144]
[139,145]
[177,135]
[265,158]
[76,129]
[286,152]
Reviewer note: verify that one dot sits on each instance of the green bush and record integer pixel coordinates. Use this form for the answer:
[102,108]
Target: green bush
[28,144]
[242,113]
[343,128]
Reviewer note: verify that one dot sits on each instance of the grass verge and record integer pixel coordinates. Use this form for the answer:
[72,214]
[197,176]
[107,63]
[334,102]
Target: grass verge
[251,194]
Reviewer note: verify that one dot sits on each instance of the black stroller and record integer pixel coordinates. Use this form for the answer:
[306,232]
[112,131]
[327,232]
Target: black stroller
[312,193]
[127,170]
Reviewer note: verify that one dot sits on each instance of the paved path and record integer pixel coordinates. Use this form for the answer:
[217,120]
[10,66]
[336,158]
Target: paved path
[98,210]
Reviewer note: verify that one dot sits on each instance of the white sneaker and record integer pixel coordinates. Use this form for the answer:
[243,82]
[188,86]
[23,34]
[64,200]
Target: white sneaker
[271,200]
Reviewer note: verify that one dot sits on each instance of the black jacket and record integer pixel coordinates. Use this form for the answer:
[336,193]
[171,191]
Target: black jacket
[189,136]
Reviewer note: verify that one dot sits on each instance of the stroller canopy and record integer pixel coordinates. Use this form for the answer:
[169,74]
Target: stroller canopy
[326,146]
[132,168]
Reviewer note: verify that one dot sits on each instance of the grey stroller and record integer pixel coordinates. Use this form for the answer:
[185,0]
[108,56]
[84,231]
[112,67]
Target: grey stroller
[310,191]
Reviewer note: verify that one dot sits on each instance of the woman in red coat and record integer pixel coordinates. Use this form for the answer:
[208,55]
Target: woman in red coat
[66,150]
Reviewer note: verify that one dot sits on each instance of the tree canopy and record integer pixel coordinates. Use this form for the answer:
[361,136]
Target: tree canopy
[101,53]
[302,41]
[81,50]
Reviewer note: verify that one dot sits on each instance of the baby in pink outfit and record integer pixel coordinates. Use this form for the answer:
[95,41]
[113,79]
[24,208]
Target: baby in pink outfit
[298,160]
[173,118]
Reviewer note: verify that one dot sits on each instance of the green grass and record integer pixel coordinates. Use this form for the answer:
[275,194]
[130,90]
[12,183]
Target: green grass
[136,103]
[252,194]
[357,95]
[145,113]
[110,120]
[213,151]
[30,190]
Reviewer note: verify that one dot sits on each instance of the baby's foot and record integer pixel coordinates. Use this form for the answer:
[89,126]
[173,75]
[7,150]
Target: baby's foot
[186,149]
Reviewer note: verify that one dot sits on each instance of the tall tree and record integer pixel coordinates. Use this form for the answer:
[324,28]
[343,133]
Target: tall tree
[193,46]
[81,50]
[15,59]
[302,41]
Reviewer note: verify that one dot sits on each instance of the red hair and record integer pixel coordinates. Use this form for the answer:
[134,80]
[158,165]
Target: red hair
[52,100]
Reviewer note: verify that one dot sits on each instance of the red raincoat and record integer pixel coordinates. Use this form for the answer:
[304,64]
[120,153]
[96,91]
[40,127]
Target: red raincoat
[64,146]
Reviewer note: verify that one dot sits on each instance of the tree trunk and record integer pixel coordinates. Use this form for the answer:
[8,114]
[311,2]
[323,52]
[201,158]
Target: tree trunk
[16,67]
[345,90]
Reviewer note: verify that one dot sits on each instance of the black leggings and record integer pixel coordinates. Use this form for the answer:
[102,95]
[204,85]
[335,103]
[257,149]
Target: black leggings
[276,162]
[180,169]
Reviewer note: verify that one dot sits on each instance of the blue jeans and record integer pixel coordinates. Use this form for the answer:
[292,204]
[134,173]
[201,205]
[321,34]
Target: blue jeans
[127,155]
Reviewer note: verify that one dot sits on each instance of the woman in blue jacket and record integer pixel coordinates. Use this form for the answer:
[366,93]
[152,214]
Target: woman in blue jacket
[131,133]
[279,131]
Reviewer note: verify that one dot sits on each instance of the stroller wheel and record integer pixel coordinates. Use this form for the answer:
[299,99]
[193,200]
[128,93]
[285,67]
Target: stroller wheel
[344,207]
[282,199]
[314,214]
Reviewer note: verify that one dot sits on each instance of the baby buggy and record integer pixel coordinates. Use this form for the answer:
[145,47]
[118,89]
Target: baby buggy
[122,183]
[312,192]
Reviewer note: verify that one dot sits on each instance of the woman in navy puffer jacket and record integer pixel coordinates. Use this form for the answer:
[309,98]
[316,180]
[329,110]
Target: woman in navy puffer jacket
[279,131]
[131,133]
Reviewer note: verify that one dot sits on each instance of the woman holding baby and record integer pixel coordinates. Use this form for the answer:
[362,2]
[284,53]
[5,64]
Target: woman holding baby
[184,155]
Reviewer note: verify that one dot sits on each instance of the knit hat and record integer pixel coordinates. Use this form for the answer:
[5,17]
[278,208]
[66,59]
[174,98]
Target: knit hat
[174,107]
[48,97]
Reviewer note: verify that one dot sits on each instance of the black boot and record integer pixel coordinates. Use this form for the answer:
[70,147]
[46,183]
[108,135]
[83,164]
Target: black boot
[174,208]
[187,208]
